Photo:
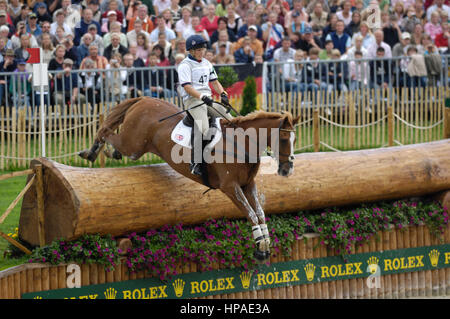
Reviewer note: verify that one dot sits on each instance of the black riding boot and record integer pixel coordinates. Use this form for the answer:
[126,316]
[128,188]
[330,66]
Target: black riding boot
[196,143]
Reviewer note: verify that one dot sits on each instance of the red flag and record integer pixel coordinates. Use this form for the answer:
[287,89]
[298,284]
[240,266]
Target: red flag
[35,55]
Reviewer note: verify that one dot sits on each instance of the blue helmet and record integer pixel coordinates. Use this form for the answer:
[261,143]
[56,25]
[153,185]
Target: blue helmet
[195,42]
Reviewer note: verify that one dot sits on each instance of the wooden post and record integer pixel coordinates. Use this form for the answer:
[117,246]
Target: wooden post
[316,135]
[352,120]
[390,126]
[102,157]
[40,203]
[447,122]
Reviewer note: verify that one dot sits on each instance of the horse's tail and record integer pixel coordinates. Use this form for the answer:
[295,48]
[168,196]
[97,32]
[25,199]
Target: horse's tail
[115,118]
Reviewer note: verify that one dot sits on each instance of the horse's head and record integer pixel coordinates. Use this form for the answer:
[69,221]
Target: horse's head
[286,144]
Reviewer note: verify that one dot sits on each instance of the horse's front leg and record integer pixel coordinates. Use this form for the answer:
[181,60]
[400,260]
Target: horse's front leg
[251,194]
[236,194]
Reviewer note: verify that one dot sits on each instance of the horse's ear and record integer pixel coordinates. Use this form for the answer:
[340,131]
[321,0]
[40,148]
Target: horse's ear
[296,119]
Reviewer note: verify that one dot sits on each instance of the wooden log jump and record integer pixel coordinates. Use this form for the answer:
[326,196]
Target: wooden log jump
[117,201]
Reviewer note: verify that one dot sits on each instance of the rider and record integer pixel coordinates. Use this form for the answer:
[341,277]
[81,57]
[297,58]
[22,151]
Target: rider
[195,73]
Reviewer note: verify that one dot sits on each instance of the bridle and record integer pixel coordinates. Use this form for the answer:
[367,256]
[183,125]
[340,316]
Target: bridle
[290,157]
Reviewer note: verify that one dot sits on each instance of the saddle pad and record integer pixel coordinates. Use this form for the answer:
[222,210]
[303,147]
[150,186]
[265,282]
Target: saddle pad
[181,134]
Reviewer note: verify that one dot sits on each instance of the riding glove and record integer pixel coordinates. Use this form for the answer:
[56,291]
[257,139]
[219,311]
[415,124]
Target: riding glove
[224,98]
[208,100]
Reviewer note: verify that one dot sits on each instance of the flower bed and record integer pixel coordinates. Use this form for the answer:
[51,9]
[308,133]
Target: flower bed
[229,242]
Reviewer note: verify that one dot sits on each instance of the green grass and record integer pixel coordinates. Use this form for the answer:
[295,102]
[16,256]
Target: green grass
[9,189]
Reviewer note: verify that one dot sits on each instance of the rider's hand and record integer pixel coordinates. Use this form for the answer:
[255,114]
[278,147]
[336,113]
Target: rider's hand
[207,99]
[224,99]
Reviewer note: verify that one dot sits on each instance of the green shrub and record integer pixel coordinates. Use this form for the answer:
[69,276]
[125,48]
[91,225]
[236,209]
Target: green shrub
[249,95]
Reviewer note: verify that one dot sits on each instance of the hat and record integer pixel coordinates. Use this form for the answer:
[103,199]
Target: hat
[2,13]
[308,29]
[253,27]
[40,5]
[21,61]
[95,2]
[68,61]
[111,12]
[32,15]
[199,28]
[9,52]
[406,35]
[92,26]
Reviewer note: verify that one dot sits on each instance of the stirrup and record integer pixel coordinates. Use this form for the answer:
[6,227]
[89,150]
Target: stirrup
[195,169]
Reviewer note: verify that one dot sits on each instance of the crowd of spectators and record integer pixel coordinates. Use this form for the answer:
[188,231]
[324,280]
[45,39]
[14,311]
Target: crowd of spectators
[122,35]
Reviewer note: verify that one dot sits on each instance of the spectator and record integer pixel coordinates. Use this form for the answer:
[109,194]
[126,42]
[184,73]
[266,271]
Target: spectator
[255,43]
[354,25]
[71,51]
[312,4]
[71,13]
[392,32]
[132,35]
[45,27]
[42,13]
[90,83]
[19,85]
[135,78]
[156,79]
[336,73]
[160,6]
[312,74]
[60,35]
[298,9]
[410,21]
[234,20]
[330,27]
[175,11]
[221,9]
[21,52]
[143,47]
[285,52]
[422,48]
[441,39]
[400,48]
[115,47]
[416,70]
[7,65]
[341,40]
[280,11]
[210,20]
[142,14]
[245,53]
[325,54]
[180,48]
[56,63]
[14,9]
[96,39]
[433,27]
[115,78]
[272,32]
[373,49]
[307,41]
[112,18]
[420,12]
[345,14]
[161,28]
[32,26]
[4,22]
[59,21]
[221,55]
[197,7]
[223,39]
[222,26]
[82,26]
[319,16]
[94,5]
[297,25]
[113,5]
[379,70]
[83,48]
[66,85]
[166,45]
[358,47]
[168,18]
[399,12]
[115,29]
[16,38]
[195,28]
[100,61]
[261,14]
[209,55]
[250,19]
[438,5]
[359,72]
[47,48]
[104,5]
[433,62]
[23,14]
[184,23]
[243,7]
[137,60]
[162,59]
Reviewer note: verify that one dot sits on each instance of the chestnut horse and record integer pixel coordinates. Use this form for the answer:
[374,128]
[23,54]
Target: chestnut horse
[142,132]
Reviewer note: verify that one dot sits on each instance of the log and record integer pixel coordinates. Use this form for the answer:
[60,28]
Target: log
[121,200]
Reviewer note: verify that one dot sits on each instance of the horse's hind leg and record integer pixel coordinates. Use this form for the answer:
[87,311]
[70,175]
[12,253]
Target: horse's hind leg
[110,152]
[92,153]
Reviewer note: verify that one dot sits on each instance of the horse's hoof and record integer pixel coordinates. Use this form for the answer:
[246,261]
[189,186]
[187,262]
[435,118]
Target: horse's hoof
[87,155]
[116,155]
[261,255]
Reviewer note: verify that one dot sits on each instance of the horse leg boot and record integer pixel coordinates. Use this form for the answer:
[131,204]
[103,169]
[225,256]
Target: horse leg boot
[196,150]
[91,155]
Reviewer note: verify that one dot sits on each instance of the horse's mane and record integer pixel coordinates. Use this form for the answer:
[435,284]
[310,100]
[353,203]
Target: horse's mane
[258,115]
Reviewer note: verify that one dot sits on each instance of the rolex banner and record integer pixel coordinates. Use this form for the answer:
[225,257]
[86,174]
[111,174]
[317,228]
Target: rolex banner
[282,274]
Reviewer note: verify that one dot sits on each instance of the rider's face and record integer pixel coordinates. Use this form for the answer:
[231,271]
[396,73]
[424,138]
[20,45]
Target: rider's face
[198,53]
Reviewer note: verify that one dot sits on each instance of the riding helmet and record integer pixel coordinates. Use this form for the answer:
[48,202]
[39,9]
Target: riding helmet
[195,42]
